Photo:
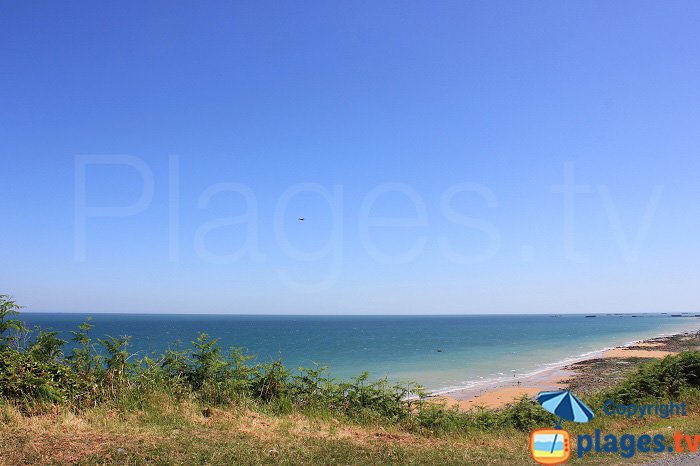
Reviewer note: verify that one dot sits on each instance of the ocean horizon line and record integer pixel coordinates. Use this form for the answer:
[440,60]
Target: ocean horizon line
[505,314]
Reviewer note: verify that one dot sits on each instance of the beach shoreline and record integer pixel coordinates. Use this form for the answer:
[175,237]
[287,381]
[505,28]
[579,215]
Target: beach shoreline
[564,374]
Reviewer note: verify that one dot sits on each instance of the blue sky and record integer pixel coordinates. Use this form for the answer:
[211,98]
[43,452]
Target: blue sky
[458,120]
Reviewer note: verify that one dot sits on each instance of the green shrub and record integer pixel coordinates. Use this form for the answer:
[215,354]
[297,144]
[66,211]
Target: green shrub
[47,347]
[269,381]
[523,415]
[8,309]
[526,414]
[667,377]
[26,379]
[208,366]
[83,355]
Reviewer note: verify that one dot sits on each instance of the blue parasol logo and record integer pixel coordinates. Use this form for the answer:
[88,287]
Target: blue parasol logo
[564,404]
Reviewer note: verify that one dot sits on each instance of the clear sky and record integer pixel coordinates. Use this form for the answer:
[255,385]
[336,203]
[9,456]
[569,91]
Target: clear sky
[447,157]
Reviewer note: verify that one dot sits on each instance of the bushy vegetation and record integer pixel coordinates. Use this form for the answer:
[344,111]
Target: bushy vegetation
[665,378]
[35,371]
[523,415]
[26,380]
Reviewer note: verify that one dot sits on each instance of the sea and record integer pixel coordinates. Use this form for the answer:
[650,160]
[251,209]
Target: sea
[442,353]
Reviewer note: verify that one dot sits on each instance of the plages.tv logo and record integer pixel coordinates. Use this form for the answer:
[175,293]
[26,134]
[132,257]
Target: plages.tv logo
[550,446]
[553,446]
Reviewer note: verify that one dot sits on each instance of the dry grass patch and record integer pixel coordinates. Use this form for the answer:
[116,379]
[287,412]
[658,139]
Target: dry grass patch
[60,436]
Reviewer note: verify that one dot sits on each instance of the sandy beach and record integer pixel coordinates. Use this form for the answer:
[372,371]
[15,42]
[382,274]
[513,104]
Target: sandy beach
[623,352]
[618,359]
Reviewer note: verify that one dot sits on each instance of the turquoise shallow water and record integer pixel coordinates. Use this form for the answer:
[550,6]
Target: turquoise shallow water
[473,348]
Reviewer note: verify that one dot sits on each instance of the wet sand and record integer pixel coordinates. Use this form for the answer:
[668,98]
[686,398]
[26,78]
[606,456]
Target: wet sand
[499,394]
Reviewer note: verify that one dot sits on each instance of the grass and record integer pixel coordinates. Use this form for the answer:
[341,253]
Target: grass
[168,431]
[181,433]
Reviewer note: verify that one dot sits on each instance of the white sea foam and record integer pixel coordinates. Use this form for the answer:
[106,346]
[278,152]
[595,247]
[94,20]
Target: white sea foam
[495,382]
